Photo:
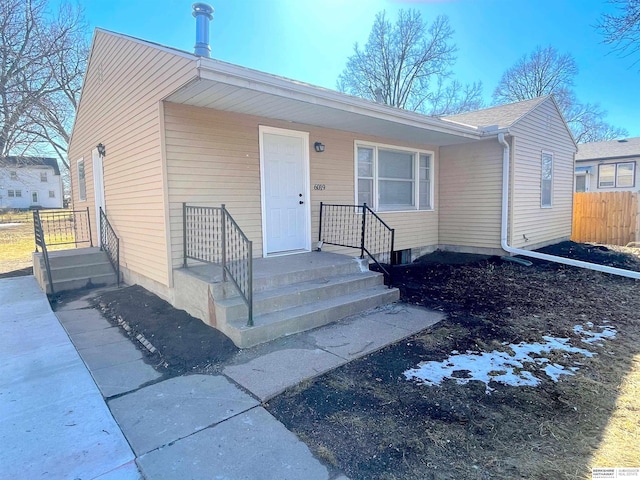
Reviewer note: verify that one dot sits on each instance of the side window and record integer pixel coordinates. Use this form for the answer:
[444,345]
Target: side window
[82,183]
[546,180]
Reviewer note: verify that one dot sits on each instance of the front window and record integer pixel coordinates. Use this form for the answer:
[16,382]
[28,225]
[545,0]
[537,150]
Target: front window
[82,185]
[546,181]
[13,175]
[19,193]
[393,178]
[617,175]
[43,176]
[11,193]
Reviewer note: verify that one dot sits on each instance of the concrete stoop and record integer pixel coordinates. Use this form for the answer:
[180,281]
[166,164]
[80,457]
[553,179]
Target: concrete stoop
[292,294]
[74,269]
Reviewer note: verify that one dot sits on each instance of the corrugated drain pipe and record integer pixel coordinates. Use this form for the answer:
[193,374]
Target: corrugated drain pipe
[541,256]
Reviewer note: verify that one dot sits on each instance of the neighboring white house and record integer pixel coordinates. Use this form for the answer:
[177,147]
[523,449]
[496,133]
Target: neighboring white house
[30,182]
[607,166]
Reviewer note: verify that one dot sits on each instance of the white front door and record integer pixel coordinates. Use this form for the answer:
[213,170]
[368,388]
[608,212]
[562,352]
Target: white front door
[98,187]
[285,190]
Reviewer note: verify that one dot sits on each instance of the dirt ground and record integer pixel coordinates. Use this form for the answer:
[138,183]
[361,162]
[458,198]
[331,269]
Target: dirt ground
[371,421]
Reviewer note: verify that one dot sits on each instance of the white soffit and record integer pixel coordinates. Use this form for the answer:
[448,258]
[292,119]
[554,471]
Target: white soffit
[272,101]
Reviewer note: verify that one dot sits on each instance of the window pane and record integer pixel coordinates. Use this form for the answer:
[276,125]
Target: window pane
[425,182]
[606,174]
[581,183]
[395,193]
[625,175]
[365,162]
[365,192]
[393,164]
[546,181]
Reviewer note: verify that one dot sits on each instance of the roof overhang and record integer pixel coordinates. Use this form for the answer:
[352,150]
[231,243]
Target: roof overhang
[231,88]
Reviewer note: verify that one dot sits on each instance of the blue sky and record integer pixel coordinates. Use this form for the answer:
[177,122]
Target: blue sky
[310,40]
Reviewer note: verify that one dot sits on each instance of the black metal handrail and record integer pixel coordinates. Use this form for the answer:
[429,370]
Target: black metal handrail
[65,227]
[38,233]
[357,226]
[211,235]
[110,243]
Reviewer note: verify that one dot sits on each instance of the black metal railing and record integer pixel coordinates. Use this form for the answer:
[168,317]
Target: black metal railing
[110,243]
[65,227]
[38,232]
[357,226]
[211,235]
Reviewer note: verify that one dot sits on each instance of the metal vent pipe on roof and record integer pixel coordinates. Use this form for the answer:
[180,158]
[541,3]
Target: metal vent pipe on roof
[204,14]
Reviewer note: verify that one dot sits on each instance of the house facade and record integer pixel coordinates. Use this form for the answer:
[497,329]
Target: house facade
[30,182]
[180,128]
[609,166]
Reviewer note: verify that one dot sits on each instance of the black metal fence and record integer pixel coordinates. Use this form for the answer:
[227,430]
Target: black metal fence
[211,235]
[110,243]
[357,226]
[39,236]
[65,227]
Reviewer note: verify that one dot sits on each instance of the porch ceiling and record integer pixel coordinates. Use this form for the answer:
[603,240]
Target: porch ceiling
[287,100]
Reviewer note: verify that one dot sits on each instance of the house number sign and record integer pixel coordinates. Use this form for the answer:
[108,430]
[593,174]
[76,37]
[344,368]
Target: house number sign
[319,186]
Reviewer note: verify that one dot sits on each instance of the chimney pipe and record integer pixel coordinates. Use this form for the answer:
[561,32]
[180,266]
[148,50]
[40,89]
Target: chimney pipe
[204,14]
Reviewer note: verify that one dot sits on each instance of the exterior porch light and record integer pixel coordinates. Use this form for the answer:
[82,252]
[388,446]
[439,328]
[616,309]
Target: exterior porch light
[319,147]
[102,151]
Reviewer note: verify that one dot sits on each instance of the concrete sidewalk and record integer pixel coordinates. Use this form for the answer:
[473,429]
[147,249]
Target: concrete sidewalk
[213,426]
[53,421]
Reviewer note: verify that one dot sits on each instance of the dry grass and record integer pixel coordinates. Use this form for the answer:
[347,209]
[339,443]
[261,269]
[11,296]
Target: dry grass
[17,241]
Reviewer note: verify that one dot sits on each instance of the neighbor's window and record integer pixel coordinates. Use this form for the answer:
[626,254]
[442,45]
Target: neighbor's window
[34,197]
[18,193]
[82,184]
[11,193]
[393,178]
[581,183]
[52,194]
[546,181]
[616,175]
[43,176]
[13,175]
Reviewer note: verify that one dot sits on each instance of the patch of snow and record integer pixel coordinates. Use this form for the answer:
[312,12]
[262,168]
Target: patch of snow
[593,337]
[508,367]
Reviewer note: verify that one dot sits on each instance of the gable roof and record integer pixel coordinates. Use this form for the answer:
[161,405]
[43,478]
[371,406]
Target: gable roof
[502,116]
[628,147]
[30,161]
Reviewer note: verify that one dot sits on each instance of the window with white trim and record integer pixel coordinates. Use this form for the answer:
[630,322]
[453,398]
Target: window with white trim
[82,183]
[11,193]
[617,175]
[43,176]
[34,197]
[18,193]
[393,178]
[13,175]
[52,194]
[546,180]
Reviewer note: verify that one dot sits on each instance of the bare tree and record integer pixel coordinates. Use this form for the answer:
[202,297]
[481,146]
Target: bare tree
[622,31]
[406,64]
[547,72]
[42,61]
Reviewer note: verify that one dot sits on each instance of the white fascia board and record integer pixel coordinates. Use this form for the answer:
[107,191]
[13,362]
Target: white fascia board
[217,71]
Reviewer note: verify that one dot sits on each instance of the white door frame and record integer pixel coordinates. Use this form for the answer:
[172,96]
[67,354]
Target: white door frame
[262,129]
[98,188]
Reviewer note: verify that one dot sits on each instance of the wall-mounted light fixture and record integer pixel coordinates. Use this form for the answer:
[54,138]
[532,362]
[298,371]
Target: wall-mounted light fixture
[319,147]
[102,151]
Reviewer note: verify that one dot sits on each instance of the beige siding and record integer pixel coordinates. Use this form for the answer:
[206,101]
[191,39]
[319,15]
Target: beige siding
[541,130]
[213,158]
[120,107]
[470,194]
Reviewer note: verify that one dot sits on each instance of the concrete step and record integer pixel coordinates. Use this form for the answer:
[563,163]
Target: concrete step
[66,258]
[270,326]
[287,296]
[60,273]
[276,277]
[98,280]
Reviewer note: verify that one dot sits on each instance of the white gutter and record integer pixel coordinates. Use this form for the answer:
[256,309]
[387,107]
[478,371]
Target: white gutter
[541,256]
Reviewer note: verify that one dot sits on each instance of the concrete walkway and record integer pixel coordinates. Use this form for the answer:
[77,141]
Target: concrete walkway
[209,426]
[53,421]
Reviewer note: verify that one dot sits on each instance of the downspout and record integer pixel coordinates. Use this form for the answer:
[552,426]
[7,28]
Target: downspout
[541,256]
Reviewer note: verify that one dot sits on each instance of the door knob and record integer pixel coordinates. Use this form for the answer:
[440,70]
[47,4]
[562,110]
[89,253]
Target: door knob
[300,202]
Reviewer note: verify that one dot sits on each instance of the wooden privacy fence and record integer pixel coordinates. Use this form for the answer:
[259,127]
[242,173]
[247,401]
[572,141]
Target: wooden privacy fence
[606,217]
